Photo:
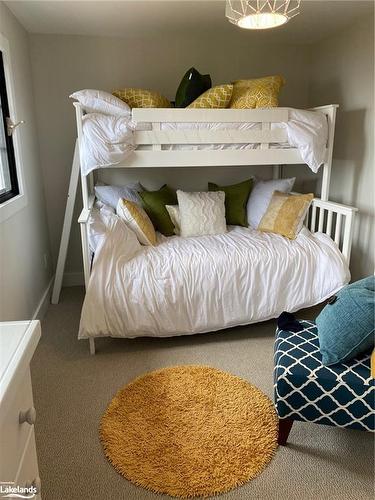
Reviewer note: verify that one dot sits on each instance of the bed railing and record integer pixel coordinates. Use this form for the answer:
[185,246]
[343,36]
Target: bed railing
[156,138]
[335,220]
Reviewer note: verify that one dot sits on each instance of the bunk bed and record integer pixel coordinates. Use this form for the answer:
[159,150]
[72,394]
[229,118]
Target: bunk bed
[331,219]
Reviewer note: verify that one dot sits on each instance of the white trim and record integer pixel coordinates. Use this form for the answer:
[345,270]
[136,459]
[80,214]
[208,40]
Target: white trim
[44,302]
[10,207]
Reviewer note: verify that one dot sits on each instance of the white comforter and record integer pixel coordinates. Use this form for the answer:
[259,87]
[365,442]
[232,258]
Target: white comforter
[108,140]
[193,285]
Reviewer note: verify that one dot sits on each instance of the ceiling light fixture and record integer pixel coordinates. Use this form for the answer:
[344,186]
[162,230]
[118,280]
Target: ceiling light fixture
[261,14]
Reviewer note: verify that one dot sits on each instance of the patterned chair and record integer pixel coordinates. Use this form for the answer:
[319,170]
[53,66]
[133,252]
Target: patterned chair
[341,395]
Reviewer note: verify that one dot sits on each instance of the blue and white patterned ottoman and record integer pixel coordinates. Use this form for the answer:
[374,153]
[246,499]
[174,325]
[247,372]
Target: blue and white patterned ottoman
[341,395]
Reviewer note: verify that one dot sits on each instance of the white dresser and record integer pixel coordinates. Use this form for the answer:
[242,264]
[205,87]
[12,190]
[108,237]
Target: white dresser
[18,460]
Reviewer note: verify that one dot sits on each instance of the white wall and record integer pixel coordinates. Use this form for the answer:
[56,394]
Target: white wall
[342,71]
[24,236]
[62,64]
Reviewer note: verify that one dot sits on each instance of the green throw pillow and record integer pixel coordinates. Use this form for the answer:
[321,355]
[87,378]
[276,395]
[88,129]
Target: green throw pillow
[236,197]
[192,85]
[154,204]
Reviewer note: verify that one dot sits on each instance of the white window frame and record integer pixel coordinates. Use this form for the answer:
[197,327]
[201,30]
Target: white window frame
[17,203]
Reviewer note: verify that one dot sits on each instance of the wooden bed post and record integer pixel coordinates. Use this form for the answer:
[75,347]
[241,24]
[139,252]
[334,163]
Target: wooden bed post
[330,111]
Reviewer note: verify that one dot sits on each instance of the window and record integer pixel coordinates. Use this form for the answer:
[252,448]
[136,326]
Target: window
[9,186]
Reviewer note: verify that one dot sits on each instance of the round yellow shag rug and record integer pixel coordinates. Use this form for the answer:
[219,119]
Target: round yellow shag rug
[189,431]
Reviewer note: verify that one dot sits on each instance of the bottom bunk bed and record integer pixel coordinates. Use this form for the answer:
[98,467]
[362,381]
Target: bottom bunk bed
[193,285]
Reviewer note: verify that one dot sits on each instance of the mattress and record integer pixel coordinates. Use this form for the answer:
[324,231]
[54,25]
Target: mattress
[108,140]
[194,285]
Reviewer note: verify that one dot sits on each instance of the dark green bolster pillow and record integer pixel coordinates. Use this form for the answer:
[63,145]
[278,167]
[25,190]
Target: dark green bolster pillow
[192,85]
[236,197]
[154,204]
[346,324]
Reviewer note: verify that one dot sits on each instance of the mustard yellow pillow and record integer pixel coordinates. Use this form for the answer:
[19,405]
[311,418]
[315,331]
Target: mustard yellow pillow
[257,93]
[285,214]
[140,98]
[216,97]
[137,219]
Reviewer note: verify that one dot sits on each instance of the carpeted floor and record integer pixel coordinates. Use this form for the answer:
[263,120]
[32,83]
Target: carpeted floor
[72,389]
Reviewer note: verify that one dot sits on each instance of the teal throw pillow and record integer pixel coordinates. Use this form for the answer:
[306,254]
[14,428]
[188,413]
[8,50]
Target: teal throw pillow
[346,324]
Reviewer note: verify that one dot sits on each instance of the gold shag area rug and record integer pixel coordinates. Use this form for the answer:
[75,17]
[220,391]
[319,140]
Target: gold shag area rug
[189,431]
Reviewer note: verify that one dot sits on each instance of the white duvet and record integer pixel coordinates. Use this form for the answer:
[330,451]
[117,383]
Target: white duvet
[108,140]
[193,285]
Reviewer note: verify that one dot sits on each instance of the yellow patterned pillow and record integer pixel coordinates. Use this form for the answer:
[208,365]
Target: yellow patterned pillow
[137,219]
[257,93]
[140,98]
[216,97]
[285,214]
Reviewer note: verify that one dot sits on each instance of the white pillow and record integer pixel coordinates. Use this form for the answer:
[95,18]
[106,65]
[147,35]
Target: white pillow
[109,195]
[174,214]
[98,101]
[261,195]
[202,213]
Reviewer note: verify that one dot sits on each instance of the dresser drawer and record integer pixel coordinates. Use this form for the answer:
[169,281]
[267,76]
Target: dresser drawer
[28,474]
[13,434]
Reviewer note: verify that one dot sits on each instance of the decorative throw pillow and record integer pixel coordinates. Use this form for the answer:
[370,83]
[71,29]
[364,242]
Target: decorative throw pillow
[257,93]
[137,219]
[109,195]
[174,214]
[217,97]
[154,203]
[285,214]
[346,324]
[261,195]
[98,101]
[192,85]
[202,214]
[140,98]
[236,197]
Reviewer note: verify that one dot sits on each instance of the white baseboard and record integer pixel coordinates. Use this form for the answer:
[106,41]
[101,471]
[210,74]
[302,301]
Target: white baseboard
[73,279]
[44,302]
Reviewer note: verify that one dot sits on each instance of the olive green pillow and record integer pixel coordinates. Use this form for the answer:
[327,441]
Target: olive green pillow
[236,197]
[154,204]
[192,85]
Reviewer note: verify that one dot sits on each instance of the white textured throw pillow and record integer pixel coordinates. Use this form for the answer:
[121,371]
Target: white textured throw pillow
[99,101]
[202,213]
[174,214]
[261,195]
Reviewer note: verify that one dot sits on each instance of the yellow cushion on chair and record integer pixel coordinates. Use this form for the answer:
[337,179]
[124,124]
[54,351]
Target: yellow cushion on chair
[257,93]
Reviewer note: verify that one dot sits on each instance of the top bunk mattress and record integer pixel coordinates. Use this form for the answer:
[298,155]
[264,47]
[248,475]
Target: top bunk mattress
[108,140]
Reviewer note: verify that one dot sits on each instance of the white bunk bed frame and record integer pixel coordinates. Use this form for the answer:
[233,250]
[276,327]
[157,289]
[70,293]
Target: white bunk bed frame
[333,219]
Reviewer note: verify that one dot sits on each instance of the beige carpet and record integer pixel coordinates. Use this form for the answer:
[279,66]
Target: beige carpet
[72,390]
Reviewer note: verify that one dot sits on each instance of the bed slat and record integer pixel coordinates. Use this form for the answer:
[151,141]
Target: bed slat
[329,223]
[210,136]
[338,229]
[321,219]
[272,115]
[313,218]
